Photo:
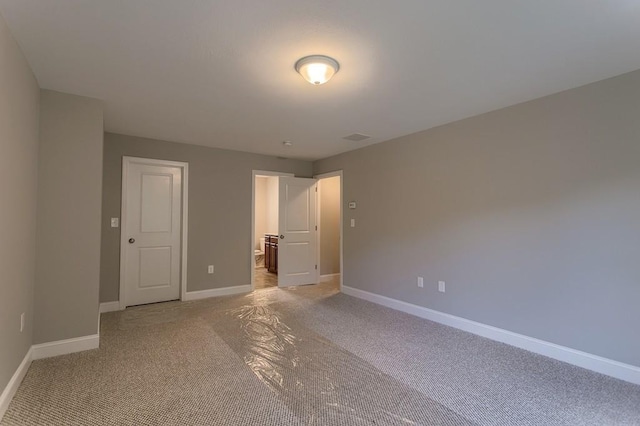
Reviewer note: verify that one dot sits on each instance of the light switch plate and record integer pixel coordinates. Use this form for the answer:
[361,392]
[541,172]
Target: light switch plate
[115,222]
[352,204]
[353,223]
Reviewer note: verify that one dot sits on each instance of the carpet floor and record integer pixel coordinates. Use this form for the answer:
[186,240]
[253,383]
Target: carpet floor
[307,356]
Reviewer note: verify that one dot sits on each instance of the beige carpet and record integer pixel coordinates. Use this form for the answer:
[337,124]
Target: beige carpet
[307,356]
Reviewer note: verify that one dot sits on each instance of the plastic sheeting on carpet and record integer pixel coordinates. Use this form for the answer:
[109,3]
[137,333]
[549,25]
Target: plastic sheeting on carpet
[319,381]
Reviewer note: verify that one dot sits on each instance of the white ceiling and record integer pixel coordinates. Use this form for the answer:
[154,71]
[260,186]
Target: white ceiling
[220,73]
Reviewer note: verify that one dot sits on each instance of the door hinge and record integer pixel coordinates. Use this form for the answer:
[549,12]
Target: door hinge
[316,227]
[316,266]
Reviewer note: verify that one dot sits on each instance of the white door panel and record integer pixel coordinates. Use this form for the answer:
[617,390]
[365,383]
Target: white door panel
[151,238]
[297,226]
[155,206]
[155,267]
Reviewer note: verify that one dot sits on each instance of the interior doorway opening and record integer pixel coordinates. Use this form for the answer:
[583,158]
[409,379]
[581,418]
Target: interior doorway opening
[296,230]
[265,232]
[264,221]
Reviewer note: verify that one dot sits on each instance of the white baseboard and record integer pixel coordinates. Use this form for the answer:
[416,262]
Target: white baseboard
[190,295]
[68,346]
[109,307]
[214,292]
[13,385]
[619,370]
[328,277]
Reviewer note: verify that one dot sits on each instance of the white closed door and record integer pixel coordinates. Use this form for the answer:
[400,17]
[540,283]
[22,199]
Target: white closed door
[298,233]
[151,234]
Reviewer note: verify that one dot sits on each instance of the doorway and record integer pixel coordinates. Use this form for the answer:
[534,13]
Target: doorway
[153,240]
[264,228]
[265,231]
[274,230]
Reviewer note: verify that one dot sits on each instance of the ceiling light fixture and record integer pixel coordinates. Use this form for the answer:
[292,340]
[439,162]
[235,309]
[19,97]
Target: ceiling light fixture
[317,69]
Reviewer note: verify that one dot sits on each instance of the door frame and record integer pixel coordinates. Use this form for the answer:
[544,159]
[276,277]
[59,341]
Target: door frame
[318,216]
[126,162]
[254,173]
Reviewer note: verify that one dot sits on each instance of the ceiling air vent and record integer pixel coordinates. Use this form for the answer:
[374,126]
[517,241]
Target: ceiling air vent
[356,137]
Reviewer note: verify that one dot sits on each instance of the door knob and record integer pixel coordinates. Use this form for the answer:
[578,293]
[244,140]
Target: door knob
[282,237]
[132,240]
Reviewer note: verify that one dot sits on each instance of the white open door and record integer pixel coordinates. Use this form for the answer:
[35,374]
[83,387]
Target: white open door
[151,237]
[298,232]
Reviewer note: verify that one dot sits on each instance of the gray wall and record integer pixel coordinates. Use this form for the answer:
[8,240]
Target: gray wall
[329,191]
[219,208]
[531,214]
[18,185]
[68,231]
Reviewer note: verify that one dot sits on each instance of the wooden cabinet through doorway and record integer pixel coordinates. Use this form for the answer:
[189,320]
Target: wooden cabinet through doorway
[271,253]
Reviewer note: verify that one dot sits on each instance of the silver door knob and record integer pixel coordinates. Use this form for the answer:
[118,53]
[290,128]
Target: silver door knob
[132,240]
[282,237]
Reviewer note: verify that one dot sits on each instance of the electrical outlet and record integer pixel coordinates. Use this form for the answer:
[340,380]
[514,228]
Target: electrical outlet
[353,223]
[210,269]
[441,286]
[21,322]
[420,282]
[115,222]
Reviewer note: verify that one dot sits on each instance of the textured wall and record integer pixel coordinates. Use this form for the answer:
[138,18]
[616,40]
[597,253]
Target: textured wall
[19,95]
[531,214]
[329,192]
[273,205]
[219,208]
[261,210]
[69,209]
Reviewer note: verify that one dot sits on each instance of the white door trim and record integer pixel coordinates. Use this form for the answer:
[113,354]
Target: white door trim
[318,204]
[126,161]
[252,262]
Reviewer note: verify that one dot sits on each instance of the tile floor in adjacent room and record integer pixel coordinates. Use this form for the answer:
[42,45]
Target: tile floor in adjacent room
[264,278]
